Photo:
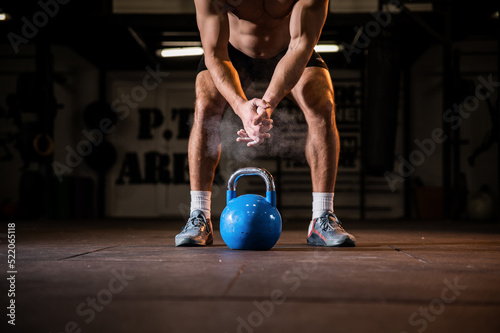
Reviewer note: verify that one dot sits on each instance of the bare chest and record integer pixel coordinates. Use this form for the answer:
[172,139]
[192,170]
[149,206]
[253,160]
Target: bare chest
[256,11]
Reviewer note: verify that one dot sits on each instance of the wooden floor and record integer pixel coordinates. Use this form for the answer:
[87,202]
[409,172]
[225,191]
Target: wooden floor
[126,276]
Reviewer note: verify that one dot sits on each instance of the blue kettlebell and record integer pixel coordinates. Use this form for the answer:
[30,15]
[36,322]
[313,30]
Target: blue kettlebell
[250,221]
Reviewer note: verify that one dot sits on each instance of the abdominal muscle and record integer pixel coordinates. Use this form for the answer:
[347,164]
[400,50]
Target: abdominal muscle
[262,37]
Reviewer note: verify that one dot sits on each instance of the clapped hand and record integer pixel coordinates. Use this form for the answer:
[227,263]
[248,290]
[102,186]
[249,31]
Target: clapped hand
[256,117]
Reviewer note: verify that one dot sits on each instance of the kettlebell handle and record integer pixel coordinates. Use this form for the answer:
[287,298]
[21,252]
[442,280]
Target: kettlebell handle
[252,171]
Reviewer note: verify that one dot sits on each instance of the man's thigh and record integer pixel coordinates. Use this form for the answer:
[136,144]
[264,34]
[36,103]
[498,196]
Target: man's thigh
[314,90]
[207,94]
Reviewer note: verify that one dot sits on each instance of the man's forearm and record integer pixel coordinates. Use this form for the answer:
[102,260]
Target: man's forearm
[227,81]
[286,75]
[306,23]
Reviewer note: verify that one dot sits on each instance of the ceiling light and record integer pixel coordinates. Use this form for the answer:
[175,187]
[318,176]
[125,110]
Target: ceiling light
[326,48]
[181,52]
[180,43]
[3,16]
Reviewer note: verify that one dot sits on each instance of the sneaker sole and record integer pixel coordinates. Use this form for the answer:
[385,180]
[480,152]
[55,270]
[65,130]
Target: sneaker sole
[188,242]
[346,242]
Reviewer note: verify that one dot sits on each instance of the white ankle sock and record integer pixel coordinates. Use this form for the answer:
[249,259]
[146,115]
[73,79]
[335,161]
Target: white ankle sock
[321,201]
[201,200]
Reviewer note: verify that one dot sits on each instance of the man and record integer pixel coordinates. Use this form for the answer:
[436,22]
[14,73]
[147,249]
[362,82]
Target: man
[241,39]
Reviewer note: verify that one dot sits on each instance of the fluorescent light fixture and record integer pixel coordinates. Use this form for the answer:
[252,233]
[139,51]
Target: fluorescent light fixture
[180,43]
[325,48]
[181,52]
[195,51]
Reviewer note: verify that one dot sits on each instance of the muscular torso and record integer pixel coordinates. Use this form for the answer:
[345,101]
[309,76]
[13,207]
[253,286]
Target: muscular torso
[260,28]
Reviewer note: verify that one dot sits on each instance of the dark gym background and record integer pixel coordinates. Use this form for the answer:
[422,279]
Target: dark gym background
[396,79]
[94,126]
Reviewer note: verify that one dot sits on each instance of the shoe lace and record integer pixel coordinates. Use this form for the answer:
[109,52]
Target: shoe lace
[195,222]
[327,221]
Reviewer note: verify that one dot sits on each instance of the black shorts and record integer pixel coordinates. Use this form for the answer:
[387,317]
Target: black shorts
[259,69]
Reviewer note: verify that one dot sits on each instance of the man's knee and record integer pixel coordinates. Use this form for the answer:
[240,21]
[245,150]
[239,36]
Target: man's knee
[208,109]
[321,112]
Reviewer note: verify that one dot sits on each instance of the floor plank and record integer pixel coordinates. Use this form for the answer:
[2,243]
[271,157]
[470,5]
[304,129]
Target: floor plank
[126,276]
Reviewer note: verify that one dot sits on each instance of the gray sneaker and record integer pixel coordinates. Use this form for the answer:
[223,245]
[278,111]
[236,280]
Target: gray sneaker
[197,231]
[327,230]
